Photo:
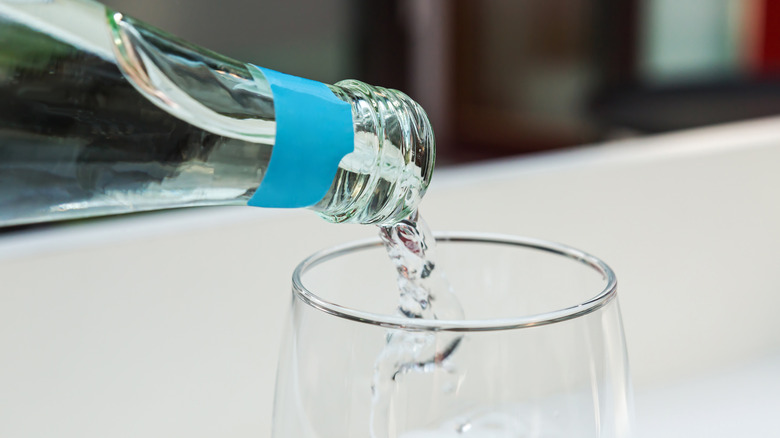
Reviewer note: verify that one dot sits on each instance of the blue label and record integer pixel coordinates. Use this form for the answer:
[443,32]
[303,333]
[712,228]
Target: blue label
[314,131]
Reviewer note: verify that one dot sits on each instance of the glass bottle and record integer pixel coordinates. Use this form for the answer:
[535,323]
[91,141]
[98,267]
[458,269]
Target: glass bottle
[102,114]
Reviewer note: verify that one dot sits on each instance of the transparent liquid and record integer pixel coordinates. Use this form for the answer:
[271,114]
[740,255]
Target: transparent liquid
[78,139]
[494,424]
[424,293]
[508,421]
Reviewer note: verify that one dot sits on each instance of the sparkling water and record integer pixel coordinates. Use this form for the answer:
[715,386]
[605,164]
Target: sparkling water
[77,139]
[491,424]
[507,421]
[425,293]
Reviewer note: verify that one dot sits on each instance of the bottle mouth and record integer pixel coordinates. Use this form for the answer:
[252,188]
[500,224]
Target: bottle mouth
[383,180]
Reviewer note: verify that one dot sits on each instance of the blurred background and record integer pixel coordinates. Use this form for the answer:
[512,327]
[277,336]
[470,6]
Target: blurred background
[168,325]
[507,77]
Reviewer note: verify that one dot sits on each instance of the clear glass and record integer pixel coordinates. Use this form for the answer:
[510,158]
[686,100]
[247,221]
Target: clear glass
[102,114]
[541,354]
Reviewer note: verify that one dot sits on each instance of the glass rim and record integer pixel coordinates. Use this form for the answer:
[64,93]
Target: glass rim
[590,305]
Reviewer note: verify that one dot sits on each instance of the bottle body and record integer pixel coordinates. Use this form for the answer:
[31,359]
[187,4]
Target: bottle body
[101,114]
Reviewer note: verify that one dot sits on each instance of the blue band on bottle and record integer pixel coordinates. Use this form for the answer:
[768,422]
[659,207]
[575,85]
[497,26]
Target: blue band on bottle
[314,131]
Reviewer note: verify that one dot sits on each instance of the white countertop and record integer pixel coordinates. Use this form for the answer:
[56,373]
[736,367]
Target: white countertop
[741,401]
[168,324]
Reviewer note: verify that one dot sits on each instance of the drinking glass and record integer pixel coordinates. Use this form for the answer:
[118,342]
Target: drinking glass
[540,352]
